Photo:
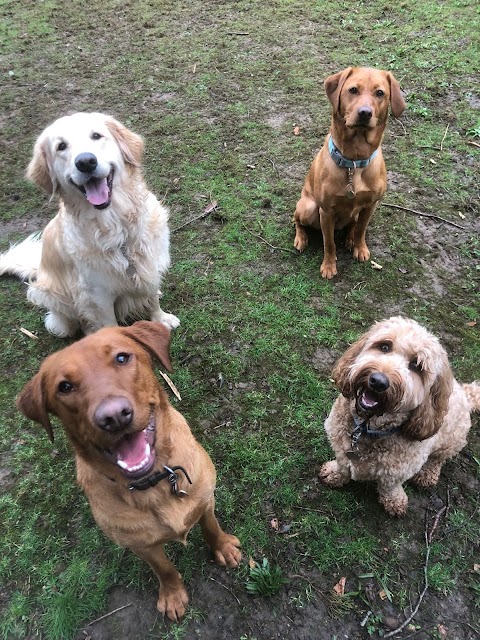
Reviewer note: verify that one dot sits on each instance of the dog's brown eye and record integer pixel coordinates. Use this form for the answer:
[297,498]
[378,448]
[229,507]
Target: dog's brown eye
[122,358]
[65,387]
[380,93]
[385,347]
[96,136]
[61,146]
[353,90]
[414,365]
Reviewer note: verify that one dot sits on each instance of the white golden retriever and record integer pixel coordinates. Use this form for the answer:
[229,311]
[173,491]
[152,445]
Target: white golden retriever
[100,260]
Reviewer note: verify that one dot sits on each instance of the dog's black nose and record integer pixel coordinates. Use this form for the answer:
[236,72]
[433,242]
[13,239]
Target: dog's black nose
[378,382]
[86,162]
[114,413]
[365,113]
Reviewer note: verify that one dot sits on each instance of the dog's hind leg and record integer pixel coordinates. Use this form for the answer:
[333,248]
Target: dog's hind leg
[306,215]
[172,597]
[226,548]
[429,474]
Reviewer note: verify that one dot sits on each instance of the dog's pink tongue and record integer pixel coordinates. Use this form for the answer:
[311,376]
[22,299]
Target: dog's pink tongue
[97,191]
[132,449]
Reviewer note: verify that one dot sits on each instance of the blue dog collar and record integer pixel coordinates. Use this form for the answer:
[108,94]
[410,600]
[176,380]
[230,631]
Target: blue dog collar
[345,163]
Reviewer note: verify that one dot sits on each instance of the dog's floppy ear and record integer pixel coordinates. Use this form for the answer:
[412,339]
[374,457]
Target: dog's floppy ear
[155,337]
[32,402]
[427,419]
[131,145]
[38,170]
[333,87]
[341,371]
[397,101]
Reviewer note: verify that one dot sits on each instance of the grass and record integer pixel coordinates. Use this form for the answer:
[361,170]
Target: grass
[260,329]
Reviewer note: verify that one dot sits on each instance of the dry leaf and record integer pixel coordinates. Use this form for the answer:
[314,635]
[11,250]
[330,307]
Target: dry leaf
[432,161]
[472,323]
[375,265]
[211,207]
[443,631]
[296,130]
[382,594]
[476,568]
[460,215]
[171,385]
[274,524]
[251,563]
[339,588]
[250,166]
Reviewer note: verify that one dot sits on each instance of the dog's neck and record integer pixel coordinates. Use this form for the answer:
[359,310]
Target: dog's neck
[355,143]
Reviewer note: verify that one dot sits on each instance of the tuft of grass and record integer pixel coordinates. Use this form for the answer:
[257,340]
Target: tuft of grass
[265,579]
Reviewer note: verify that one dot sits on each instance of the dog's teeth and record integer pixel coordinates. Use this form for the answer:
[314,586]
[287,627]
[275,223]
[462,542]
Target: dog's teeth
[122,464]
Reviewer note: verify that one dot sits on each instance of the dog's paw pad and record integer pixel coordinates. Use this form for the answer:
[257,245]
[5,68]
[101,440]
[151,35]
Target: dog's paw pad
[173,603]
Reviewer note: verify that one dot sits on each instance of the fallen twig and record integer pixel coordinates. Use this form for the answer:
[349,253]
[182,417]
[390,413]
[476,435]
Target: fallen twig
[202,215]
[28,333]
[171,385]
[238,33]
[421,213]
[424,590]
[110,614]
[229,590]
[473,144]
[428,540]
[444,136]
[268,243]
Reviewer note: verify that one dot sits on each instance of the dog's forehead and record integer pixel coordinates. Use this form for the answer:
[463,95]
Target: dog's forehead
[367,78]
[89,354]
[77,126]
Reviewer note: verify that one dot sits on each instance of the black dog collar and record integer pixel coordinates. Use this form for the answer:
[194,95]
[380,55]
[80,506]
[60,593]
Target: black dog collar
[154,478]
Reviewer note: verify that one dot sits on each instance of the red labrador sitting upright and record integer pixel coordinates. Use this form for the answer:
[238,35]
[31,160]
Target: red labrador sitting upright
[348,178]
[147,479]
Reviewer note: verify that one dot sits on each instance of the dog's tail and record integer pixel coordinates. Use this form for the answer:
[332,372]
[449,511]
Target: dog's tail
[472,391]
[23,259]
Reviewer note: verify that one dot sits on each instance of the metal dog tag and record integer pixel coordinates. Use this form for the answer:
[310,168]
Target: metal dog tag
[349,192]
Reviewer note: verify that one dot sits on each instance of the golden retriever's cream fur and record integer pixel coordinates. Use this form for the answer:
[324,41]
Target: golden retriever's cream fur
[396,380]
[100,260]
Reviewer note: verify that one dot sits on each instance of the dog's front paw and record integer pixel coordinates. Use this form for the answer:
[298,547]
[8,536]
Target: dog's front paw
[228,553]
[330,474]
[361,253]
[172,602]
[395,504]
[328,270]
[170,321]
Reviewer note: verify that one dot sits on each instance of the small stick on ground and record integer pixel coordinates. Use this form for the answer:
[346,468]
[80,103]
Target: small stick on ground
[422,595]
[425,215]
[202,215]
[473,144]
[110,614]
[229,590]
[444,136]
[268,243]
[428,538]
